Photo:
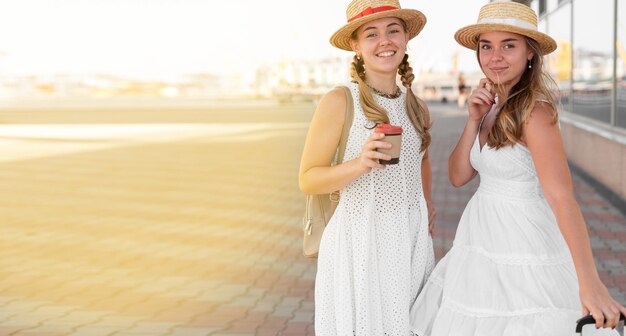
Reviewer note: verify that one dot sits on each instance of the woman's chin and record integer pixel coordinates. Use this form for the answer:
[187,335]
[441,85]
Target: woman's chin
[500,83]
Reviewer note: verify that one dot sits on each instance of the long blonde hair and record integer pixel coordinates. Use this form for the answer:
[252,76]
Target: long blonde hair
[534,85]
[376,113]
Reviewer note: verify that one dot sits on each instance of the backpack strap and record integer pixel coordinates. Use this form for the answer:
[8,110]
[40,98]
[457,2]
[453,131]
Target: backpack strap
[341,149]
[343,141]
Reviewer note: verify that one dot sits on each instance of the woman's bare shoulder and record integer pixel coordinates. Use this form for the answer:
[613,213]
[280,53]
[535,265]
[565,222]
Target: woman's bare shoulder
[334,100]
[542,113]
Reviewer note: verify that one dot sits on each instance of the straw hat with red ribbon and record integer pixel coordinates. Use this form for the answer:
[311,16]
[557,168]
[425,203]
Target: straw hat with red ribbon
[360,12]
[510,17]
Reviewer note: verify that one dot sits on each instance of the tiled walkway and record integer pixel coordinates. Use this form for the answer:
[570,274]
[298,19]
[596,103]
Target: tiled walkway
[189,225]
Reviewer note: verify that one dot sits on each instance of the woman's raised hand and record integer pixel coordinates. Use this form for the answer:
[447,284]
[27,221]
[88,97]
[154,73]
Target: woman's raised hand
[481,99]
[369,155]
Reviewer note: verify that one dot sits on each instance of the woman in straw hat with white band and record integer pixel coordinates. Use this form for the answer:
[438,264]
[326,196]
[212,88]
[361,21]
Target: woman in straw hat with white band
[521,261]
[376,251]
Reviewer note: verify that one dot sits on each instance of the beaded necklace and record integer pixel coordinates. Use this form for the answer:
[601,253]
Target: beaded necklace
[386,95]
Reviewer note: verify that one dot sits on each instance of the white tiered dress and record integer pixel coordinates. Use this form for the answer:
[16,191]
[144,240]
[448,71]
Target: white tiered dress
[376,252]
[509,271]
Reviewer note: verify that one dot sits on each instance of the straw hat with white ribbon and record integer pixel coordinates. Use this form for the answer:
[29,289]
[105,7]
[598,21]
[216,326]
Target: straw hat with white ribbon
[360,12]
[509,17]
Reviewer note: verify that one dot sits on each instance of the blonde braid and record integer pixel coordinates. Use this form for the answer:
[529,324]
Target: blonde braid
[414,110]
[372,110]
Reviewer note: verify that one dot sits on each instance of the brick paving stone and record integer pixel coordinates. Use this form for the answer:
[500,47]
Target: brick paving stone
[92,330]
[34,333]
[11,330]
[183,331]
[241,328]
[151,327]
[302,316]
[283,312]
[50,329]
[275,321]
[268,331]
[616,245]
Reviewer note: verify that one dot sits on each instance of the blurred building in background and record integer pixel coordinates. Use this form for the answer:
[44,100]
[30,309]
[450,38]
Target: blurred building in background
[589,67]
[92,86]
[292,80]
[287,80]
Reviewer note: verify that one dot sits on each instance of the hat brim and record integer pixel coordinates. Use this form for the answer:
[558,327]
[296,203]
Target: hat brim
[413,19]
[468,36]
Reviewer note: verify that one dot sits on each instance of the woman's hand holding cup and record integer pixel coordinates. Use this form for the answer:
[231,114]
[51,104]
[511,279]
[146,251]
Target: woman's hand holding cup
[370,155]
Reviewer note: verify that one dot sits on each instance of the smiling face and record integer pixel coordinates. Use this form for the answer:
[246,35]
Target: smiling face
[382,44]
[503,57]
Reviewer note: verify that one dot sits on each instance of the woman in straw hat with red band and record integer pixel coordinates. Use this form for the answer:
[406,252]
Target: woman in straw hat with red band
[521,261]
[376,251]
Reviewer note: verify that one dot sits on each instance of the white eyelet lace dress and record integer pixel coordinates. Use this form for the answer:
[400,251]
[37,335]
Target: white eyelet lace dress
[509,272]
[376,252]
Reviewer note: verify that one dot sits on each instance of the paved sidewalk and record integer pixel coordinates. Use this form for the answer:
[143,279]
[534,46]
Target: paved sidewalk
[189,225]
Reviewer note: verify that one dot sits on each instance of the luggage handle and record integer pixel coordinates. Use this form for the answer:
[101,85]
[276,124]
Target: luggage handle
[589,320]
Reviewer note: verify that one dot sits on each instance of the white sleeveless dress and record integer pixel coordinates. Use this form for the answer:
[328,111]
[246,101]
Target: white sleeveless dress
[509,271]
[376,252]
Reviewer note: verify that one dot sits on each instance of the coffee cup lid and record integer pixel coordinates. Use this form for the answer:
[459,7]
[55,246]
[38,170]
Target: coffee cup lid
[388,129]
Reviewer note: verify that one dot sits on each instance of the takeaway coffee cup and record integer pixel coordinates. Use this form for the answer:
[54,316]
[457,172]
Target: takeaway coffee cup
[393,135]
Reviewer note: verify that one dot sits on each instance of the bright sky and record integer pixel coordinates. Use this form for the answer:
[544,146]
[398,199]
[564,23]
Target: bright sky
[163,39]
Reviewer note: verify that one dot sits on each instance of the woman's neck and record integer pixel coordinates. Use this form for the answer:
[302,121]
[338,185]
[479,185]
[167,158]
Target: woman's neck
[385,84]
